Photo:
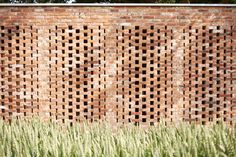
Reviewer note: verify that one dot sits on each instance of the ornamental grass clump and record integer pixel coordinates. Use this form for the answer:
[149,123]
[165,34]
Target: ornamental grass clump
[35,138]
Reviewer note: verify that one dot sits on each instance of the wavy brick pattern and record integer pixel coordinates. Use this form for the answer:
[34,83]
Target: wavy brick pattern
[123,64]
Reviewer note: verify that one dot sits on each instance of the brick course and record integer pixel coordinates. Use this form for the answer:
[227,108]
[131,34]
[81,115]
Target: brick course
[124,64]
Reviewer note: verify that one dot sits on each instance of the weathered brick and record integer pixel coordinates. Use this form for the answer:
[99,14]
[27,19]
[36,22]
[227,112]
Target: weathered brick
[123,64]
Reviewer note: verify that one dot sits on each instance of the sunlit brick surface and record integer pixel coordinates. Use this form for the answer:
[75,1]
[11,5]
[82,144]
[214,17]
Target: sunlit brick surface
[123,64]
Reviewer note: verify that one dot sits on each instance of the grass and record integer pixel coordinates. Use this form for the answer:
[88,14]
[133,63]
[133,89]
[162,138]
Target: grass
[47,139]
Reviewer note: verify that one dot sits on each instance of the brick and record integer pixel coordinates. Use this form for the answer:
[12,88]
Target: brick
[123,64]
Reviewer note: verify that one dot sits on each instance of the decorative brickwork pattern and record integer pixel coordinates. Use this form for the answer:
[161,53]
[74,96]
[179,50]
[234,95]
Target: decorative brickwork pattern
[123,64]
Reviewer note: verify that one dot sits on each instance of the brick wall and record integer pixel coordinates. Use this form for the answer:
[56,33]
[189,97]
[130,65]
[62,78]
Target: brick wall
[124,64]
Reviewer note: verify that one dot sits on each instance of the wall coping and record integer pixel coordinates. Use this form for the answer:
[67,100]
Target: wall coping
[113,5]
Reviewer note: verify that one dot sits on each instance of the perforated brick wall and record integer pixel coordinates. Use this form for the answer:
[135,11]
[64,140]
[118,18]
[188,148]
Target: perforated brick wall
[124,64]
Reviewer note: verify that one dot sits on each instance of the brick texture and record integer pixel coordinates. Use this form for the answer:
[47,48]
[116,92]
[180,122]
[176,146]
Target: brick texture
[122,64]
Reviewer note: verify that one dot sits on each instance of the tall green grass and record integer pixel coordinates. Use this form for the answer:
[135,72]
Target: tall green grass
[46,139]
